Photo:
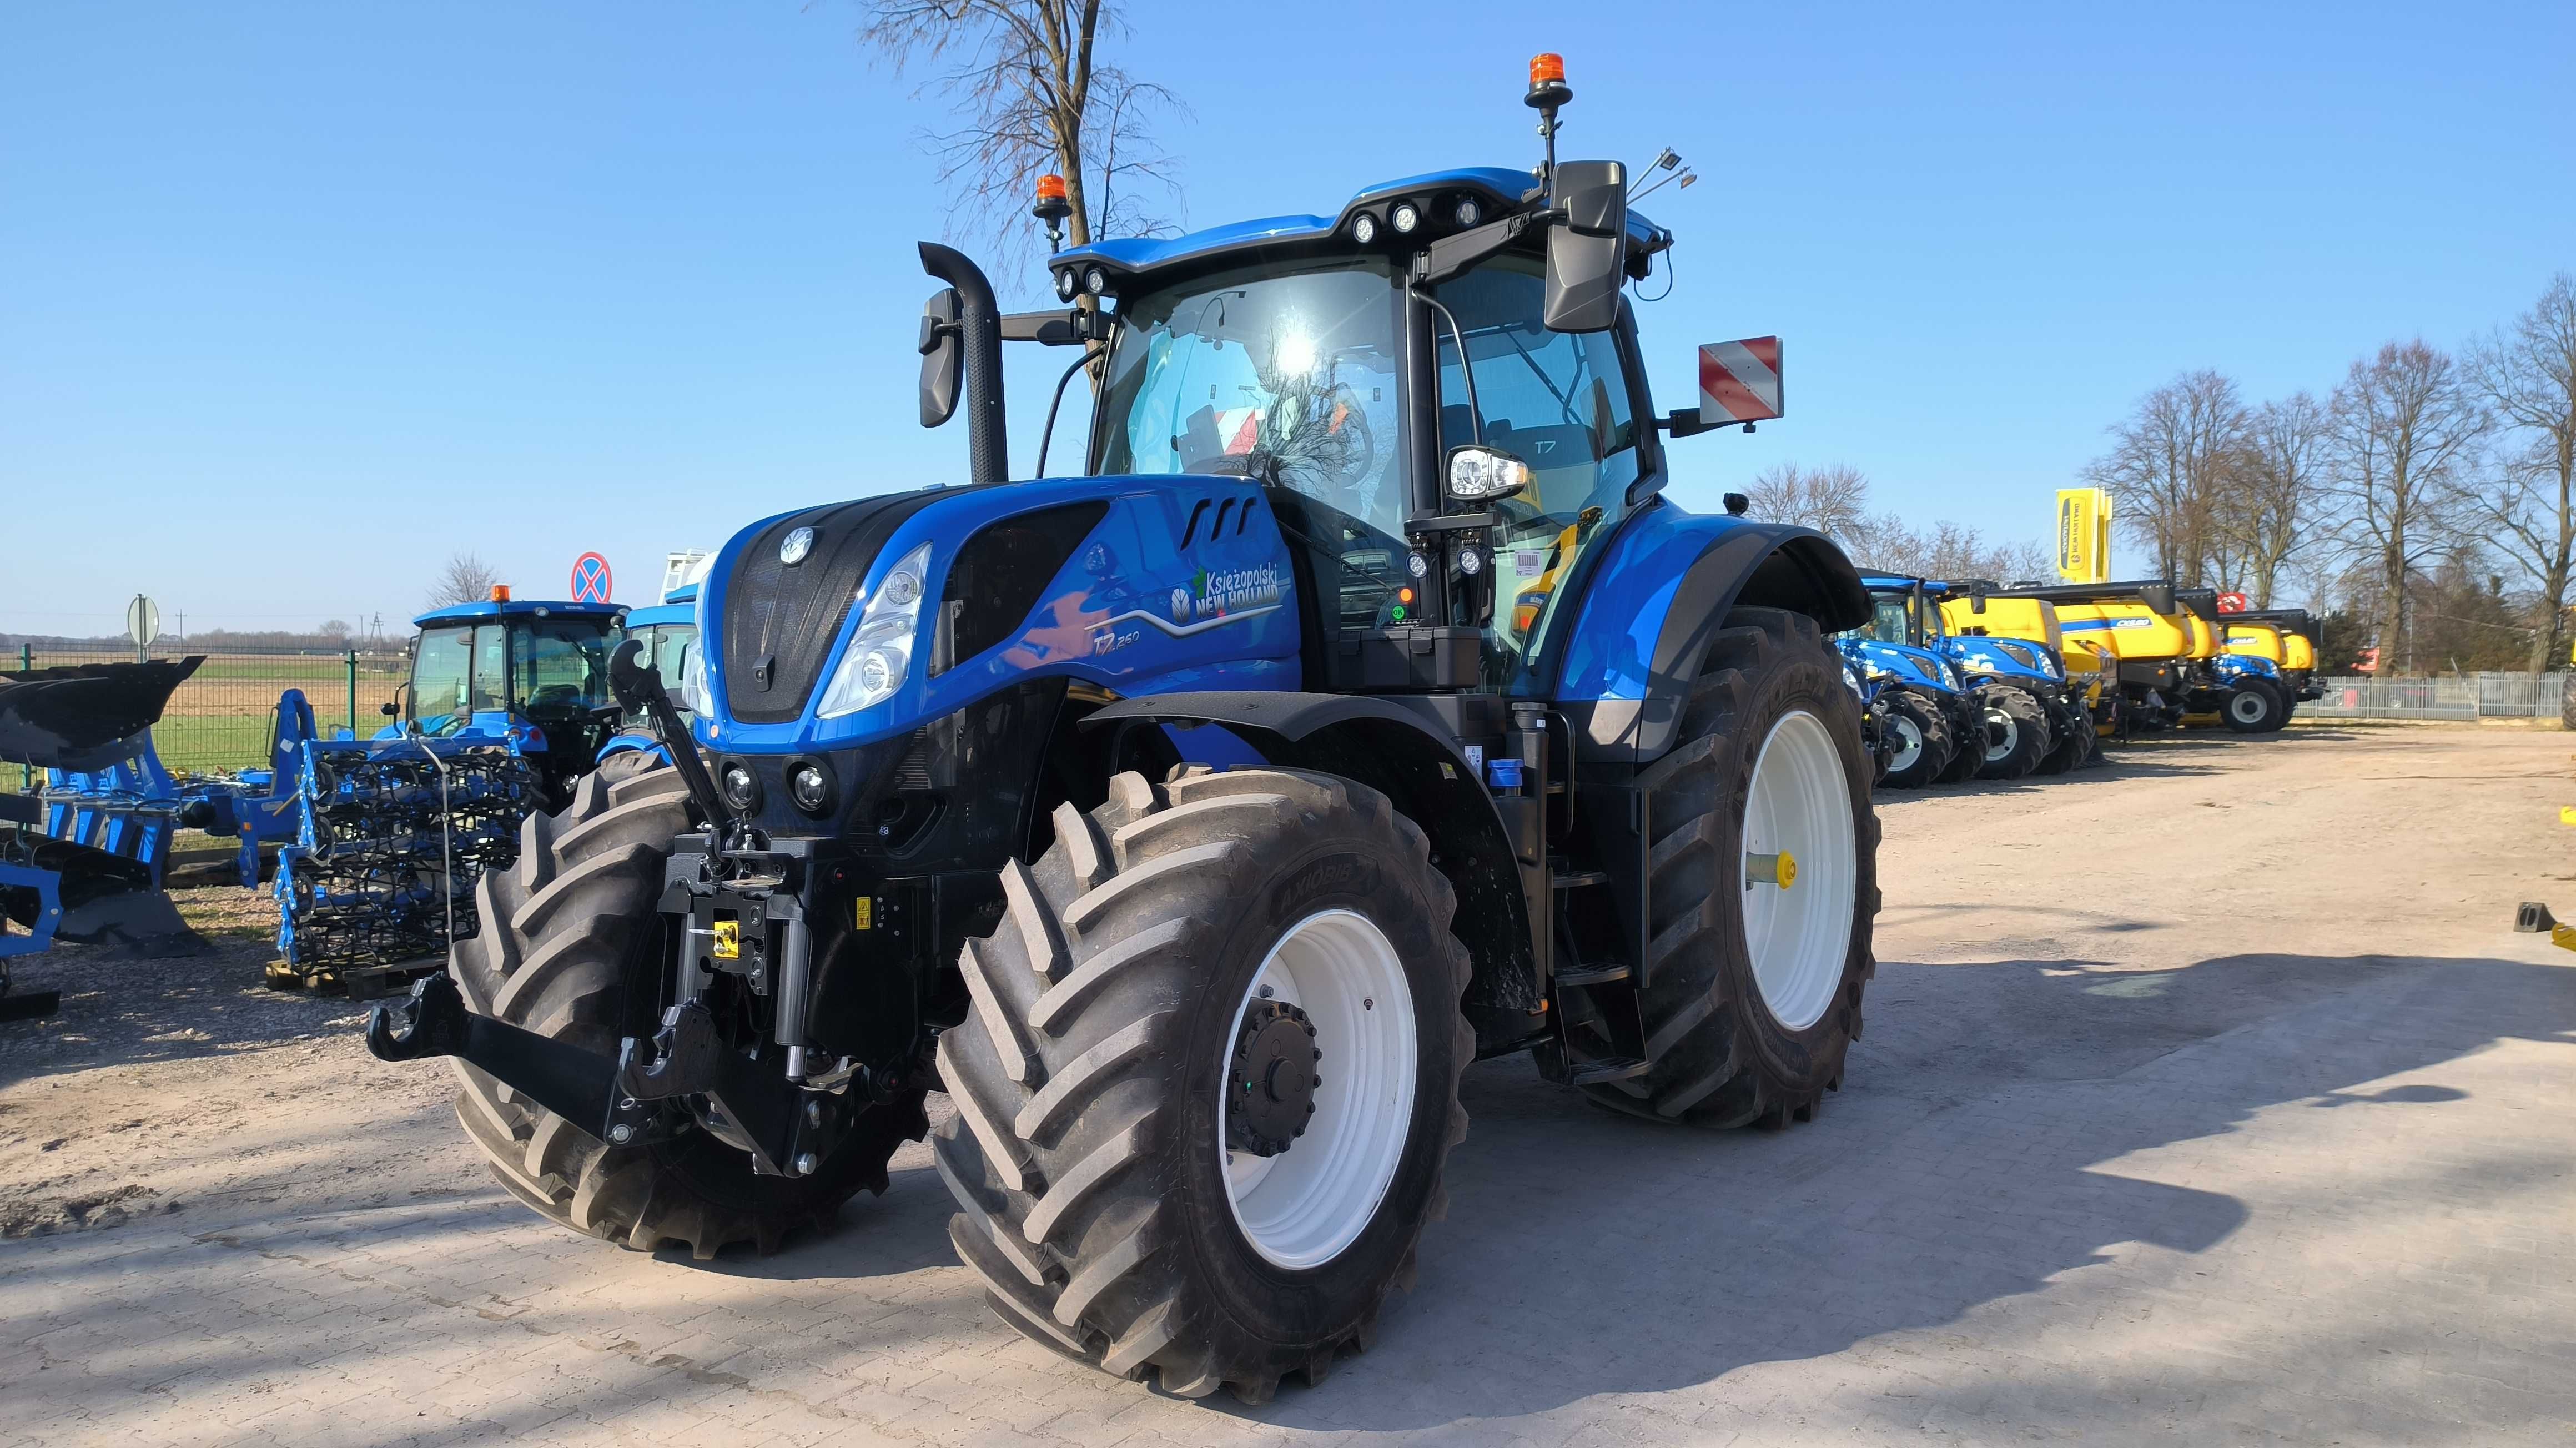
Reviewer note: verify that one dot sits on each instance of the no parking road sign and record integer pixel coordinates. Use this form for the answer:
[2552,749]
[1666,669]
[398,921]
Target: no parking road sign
[590,580]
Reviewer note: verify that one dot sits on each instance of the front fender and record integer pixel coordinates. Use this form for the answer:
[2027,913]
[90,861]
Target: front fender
[1661,592]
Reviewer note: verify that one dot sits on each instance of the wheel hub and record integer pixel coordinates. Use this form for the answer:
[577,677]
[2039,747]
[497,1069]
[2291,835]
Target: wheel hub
[1271,1081]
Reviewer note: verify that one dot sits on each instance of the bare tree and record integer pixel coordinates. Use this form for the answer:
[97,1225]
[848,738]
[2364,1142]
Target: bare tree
[2405,427]
[1027,80]
[2265,508]
[2168,461]
[1947,551]
[1833,500]
[465,579]
[2526,374]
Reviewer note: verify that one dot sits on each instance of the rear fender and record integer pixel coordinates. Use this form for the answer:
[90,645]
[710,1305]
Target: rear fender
[1663,591]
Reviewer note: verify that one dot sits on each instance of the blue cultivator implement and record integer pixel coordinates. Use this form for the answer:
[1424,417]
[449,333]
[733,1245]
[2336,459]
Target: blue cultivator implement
[86,869]
[391,836]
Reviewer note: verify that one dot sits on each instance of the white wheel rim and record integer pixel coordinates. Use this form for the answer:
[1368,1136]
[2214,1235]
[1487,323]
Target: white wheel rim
[1909,744]
[1799,935]
[2001,746]
[2247,706]
[1305,1206]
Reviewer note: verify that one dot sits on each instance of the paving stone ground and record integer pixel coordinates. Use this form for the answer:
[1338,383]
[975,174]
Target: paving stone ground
[2203,1099]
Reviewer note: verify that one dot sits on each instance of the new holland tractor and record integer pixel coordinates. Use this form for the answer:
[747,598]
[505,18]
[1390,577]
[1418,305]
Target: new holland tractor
[2244,690]
[1997,713]
[1193,818]
[2033,673]
[2027,630]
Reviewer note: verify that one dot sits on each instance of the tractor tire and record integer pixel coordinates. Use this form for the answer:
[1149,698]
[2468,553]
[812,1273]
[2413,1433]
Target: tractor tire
[1750,1001]
[2017,732]
[567,934]
[1135,1184]
[2070,734]
[2254,706]
[1968,740]
[1922,734]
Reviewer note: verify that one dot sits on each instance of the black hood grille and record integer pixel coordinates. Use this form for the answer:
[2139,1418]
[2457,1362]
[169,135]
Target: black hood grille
[780,619]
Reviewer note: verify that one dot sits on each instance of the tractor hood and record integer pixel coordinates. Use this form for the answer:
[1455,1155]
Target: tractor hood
[84,716]
[840,625]
[2008,658]
[1902,664]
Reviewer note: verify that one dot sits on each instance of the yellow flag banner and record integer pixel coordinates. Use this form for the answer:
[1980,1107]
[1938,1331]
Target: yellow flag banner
[2084,535]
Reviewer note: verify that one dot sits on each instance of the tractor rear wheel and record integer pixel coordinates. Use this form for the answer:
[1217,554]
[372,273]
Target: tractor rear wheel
[2253,707]
[1765,882]
[2017,733]
[567,934]
[1210,1080]
[1922,738]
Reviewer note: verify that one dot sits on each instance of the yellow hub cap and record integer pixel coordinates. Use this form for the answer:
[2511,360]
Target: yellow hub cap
[1780,869]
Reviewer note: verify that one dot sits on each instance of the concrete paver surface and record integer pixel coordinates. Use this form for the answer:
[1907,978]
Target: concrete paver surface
[2203,1098]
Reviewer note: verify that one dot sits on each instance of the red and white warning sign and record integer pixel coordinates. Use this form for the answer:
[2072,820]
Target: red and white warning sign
[2233,603]
[1739,381]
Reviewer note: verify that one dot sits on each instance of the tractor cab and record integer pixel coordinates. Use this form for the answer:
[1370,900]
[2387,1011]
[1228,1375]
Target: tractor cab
[530,674]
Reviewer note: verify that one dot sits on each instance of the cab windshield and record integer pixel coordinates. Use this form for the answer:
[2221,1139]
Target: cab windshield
[561,664]
[1892,617]
[1287,375]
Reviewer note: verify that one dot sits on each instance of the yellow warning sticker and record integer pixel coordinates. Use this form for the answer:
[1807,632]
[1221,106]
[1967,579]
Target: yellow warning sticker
[728,940]
[864,913]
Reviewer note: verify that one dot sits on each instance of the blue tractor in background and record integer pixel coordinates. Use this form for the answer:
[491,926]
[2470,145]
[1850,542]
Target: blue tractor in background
[1356,708]
[528,675]
[2030,669]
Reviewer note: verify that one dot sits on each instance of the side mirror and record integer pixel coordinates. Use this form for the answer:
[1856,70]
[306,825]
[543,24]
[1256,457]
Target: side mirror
[943,361]
[389,709]
[1479,474]
[1587,254]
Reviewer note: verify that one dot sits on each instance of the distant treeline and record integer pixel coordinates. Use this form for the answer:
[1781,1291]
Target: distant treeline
[333,636]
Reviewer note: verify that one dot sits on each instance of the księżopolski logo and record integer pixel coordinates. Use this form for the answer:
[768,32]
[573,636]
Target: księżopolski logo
[1217,594]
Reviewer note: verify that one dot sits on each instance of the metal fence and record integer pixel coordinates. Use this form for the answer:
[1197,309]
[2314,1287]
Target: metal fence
[2456,696]
[220,717]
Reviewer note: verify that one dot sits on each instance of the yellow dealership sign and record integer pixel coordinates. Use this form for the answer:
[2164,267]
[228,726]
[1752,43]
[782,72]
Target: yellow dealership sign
[2084,535]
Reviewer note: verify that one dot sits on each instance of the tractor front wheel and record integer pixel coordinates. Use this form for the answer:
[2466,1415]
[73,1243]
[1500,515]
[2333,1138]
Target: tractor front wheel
[1921,735]
[1210,1080]
[2253,707]
[2017,733]
[568,933]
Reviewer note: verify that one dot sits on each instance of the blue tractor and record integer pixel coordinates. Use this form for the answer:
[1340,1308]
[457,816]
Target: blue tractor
[1934,731]
[530,675]
[2012,679]
[1194,817]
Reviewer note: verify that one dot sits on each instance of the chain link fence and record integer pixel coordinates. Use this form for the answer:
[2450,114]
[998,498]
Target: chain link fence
[220,718]
[2457,696]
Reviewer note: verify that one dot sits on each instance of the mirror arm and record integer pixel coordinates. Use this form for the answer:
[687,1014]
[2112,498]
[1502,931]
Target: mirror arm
[1451,255]
[1466,366]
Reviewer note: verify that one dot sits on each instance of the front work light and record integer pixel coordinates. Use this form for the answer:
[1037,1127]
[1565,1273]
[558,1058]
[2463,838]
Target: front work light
[1406,217]
[1066,284]
[1364,229]
[1478,474]
[880,652]
[1095,281]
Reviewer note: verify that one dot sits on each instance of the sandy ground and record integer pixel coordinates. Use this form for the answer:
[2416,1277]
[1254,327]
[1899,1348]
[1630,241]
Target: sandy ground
[2204,1097]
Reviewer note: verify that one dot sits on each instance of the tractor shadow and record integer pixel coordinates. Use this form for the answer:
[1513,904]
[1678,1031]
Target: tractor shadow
[1964,1163]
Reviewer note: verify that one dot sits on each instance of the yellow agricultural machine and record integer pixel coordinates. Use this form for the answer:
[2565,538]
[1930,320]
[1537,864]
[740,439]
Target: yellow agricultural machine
[2134,635]
[1983,612]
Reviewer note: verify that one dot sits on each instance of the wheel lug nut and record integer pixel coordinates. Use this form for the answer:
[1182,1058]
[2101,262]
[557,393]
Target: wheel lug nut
[1319,1055]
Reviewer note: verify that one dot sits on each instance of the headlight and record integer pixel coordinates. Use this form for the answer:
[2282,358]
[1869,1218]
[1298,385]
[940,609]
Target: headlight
[693,673]
[1364,228]
[1066,284]
[880,653]
[1469,213]
[1095,281]
[1406,216]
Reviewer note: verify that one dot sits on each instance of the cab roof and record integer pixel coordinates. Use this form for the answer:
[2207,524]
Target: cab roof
[486,611]
[1501,189]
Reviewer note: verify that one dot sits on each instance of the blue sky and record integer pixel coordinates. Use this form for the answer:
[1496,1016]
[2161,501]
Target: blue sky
[297,300]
